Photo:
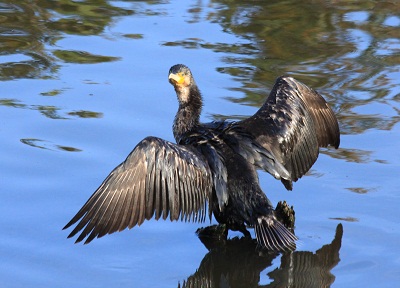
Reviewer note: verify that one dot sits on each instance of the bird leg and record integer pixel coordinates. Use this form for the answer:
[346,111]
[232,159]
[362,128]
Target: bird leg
[240,228]
[285,214]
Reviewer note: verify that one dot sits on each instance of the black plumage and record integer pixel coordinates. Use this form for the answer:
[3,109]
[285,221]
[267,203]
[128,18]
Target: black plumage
[215,163]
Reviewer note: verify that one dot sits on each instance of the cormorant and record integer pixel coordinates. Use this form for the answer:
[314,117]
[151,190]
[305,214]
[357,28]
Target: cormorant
[216,163]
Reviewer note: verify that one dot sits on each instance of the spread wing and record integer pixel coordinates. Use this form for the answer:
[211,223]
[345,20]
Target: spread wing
[243,143]
[158,178]
[292,124]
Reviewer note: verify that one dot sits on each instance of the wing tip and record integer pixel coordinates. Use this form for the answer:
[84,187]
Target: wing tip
[69,224]
[330,122]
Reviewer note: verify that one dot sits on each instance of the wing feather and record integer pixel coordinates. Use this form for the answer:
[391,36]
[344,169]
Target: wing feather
[164,192]
[292,124]
[135,211]
[157,179]
[150,192]
[113,211]
[158,193]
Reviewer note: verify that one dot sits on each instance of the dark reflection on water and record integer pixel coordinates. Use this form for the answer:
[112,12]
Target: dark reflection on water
[50,111]
[43,144]
[21,37]
[82,57]
[29,29]
[237,263]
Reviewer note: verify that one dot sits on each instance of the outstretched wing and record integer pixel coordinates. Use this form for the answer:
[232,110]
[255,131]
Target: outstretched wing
[158,178]
[243,143]
[292,124]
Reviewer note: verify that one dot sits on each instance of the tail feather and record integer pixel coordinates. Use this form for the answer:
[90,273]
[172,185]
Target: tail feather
[273,235]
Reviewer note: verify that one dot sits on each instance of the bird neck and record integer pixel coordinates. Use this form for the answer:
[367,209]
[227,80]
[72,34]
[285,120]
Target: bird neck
[188,116]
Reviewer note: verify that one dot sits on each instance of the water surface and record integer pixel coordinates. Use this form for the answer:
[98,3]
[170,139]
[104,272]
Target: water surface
[83,81]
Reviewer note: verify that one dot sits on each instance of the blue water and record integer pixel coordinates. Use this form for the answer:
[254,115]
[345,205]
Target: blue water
[82,83]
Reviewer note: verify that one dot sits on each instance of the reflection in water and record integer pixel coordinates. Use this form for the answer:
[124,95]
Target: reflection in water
[314,42]
[308,269]
[30,28]
[51,112]
[237,263]
[361,190]
[347,50]
[82,57]
[14,103]
[317,42]
[21,37]
[53,92]
[347,219]
[86,114]
[43,144]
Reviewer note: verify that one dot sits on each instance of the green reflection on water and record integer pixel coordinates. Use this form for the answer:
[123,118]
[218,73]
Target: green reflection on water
[12,103]
[348,51]
[322,44]
[54,92]
[86,114]
[52,112]
[82,57]
[43,144]
[343,49]
[29,29]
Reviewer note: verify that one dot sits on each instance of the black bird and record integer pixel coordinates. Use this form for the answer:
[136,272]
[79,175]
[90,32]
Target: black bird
[215,163]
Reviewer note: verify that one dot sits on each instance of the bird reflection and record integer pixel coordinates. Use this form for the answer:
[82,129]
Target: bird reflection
[238,263]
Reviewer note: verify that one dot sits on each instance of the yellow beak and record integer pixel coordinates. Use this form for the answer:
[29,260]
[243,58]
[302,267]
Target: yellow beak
[177,78]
